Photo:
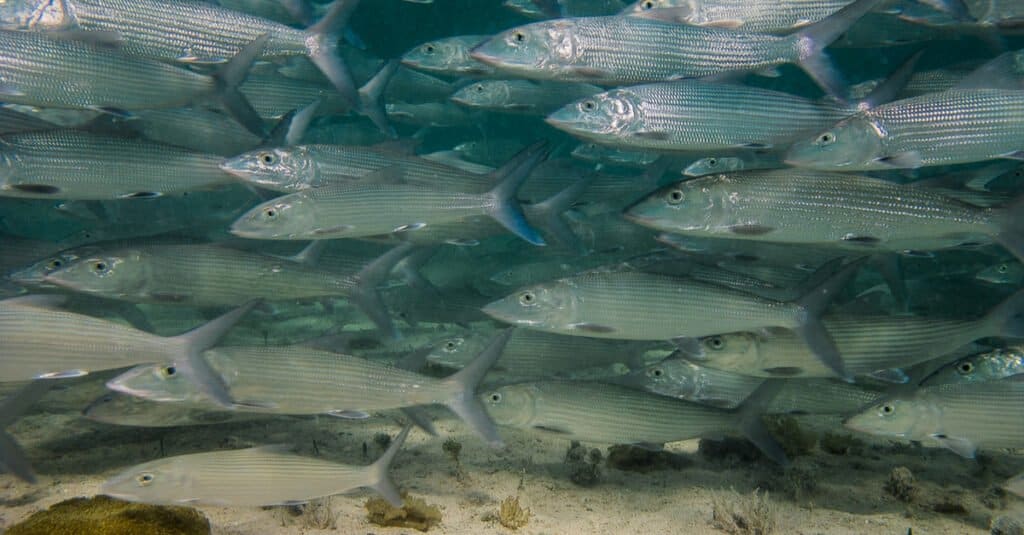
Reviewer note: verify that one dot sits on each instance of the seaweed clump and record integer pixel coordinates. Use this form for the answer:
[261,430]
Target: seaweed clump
[511,514]
[901,484]
[414,513]
[103,515]
[841,444]
[583,465]
[795,441]
[736,514]
[636,459]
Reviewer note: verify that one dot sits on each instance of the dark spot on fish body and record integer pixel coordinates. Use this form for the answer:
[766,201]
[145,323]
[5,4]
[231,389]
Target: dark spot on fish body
[784,371]
[165,297]
[592,328]
[142,195]
[750,230]
[865,240]
[549,429]
[37,189]
[657,136]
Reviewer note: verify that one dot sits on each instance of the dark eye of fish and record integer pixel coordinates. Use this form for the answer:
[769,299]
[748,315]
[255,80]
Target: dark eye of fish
[888,409]
[527,298]
[496,397]
[519,37]
[712,162]
[270,213]
[966,367]
[649,4]
[55,264]
[268,158]
[429,49]
[1003,268]
[675,196]
[170,371]
[589,105]
[657,372]
[716,342]
[826,138]
[99,267]
[145,479]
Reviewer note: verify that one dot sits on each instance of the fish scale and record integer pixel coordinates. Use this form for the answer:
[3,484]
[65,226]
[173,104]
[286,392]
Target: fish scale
[89,77]
[80,165]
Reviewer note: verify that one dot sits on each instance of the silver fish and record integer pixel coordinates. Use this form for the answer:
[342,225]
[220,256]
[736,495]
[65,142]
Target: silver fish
[116,408]
[266,475]
[604,50]
[591,411]
[769,16]
[97,78]
[868,344]
[301,380]
[43,342]
[1006,272]
[960,417]
[68,164]
[980,367]
[747,161]
[955,126]
[801,206]
[449,56]
[520,96]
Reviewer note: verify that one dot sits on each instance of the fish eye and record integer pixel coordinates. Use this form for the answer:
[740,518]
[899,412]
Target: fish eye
[479,88]
[267,158]
[270,212]
[144,479]
[1003,268]
[100,266]
[675,196]
[716,342]
[888,409]
[827,138]
[712,162]
[451,345]
[649,4]
[965,368]
[519,37]
[496,397]
[428,48]
[55,264]
[169,371]
[527,299]
[588,105]
[657,372]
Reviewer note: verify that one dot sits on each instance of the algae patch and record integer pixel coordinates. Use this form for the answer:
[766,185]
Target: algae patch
[737,514]
[103,515]
[511,514]
[415,513]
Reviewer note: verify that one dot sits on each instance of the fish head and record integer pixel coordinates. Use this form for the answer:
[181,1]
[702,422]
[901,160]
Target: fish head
[285,169]
[548,306]
[113,407]
[112,273]
[157,382]
[686,206]
[609,115]
[512,405]
[538,50]
[1006,272]
[33,15]
[673,377]
[853,143]
[738,350]
[714,164]
[288,217]
[449,55]
[483,94]
[163,481]
[909,418]
[456,351]
[982,367]
[35,274]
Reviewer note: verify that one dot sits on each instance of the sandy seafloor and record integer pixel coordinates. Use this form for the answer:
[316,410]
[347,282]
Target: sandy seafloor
[74,455]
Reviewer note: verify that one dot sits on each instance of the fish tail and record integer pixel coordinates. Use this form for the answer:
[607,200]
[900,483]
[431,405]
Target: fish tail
[292,126]
[547,215]
[196,367]
[1011,227]
[463,386]
[506,209]
[890,88]
[811,41]
[323,49]
[1007,318]
[230,76]
[12,456]
[371,101]
[752,425]
[810,326]
[380,479]
[890,267]
[365,294]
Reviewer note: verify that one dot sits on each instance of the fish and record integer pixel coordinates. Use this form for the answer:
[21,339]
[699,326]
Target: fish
[545,9]
[208,275]
[950,127]
[77,165]
[592,152]
[300,380]
[603,50]
[347,211]
[443,114]
[960,417]
[37,338]
[115,408]
[813,207]
[197,32]
[607,413]
[868,344]
[981,367]
[520,96]
[632,305]
[13,459]
[448,57]
[14,122]
[1006,272]
[746,161]
[768,16]
[100,79]
[260,476]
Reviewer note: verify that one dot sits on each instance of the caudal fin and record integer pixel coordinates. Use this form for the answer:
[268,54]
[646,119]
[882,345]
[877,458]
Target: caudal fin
[1010,232]
[1007,318]
[463,386]
[230,76]
[292,126]
[370,98]
[365,294]
[323,49]
[195,367]
[380,478]
[811,41]
[547,215]
[891,87]
[505,208]
[752,425]
[813,330]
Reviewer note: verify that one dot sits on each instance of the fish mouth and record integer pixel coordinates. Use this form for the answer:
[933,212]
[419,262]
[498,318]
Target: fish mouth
[234,169]
[462,102]
[561,124]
